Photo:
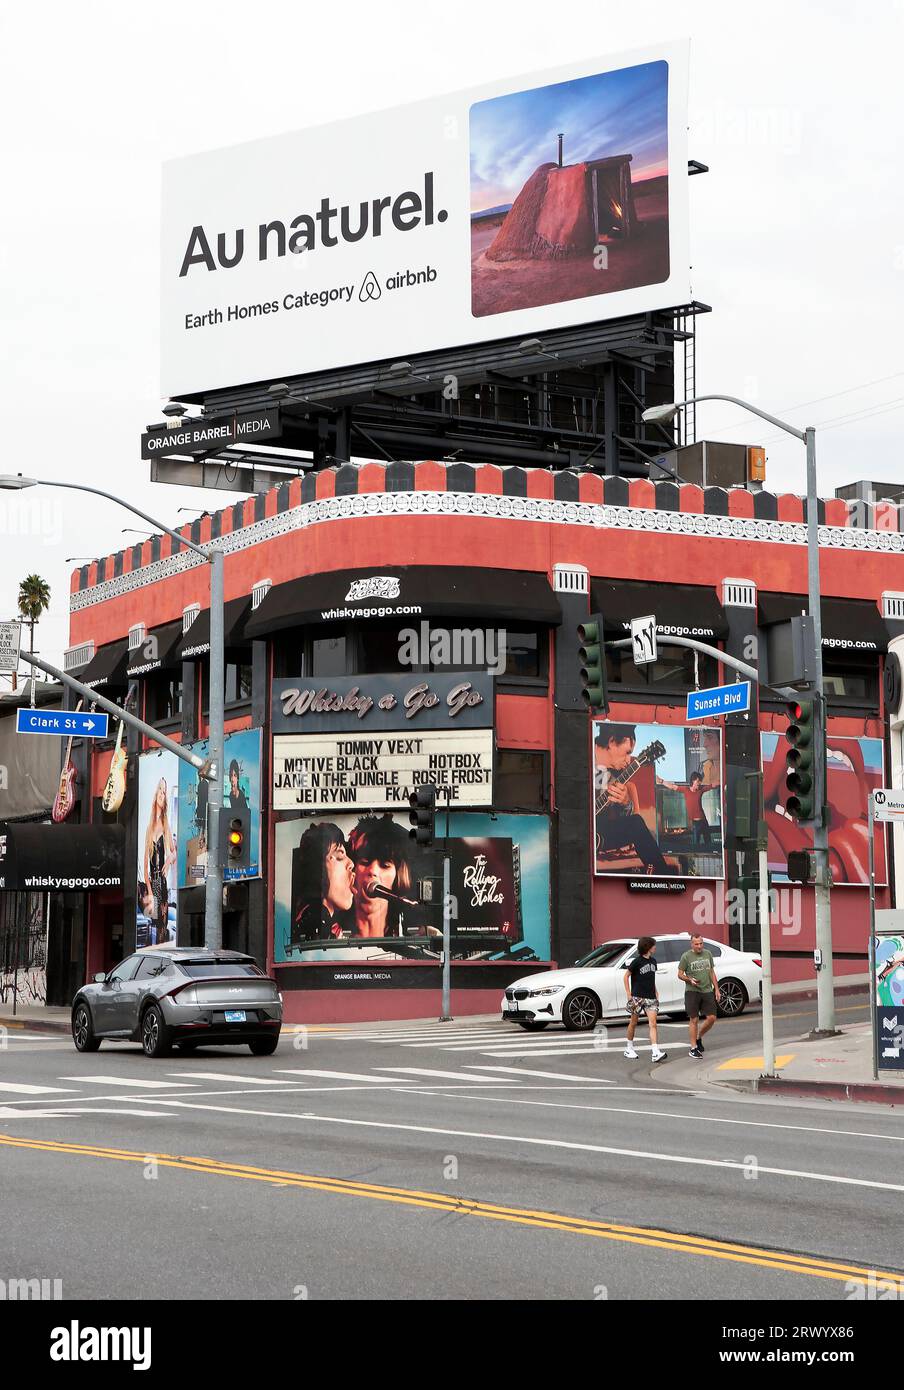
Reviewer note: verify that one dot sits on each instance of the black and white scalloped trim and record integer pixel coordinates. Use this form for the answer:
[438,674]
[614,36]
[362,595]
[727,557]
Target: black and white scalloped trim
[596,515]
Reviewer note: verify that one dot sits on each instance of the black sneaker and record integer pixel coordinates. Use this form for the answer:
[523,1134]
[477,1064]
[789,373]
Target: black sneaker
[700,1047]
[695,1052]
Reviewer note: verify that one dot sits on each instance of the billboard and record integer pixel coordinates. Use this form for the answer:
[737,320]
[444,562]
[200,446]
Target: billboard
[657,800]
[326,868]
[158,825]
[458,220]
[855,768]
[241,800]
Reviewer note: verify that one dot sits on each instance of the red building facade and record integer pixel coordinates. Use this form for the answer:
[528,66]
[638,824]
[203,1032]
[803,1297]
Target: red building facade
[530,552]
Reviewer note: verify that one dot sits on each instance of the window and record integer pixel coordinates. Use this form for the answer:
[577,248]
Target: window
[151,966]
[673,671]
[520,779]
[607,954]
[327,656]
[522,653]
[163,697]
[201,970]
[238,683]
[127,970]
[850,680]
[668,951]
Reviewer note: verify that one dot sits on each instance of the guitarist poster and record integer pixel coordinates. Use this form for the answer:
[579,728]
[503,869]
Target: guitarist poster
[658,800]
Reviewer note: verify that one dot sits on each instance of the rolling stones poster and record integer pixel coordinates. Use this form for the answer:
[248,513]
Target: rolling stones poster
[657,800]
[358,888]
[855,768]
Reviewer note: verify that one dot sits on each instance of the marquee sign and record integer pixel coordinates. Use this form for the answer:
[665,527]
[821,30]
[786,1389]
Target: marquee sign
[459,220]
[451,700]
[354,772]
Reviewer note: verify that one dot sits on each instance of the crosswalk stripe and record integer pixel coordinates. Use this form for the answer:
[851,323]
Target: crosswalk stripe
[333,1075]
[21,1089]
[229,1076]
[429,1071]
[134,1083]
[551,1075]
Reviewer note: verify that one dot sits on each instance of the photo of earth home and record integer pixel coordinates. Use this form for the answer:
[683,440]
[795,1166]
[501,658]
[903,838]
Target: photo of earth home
[569,190]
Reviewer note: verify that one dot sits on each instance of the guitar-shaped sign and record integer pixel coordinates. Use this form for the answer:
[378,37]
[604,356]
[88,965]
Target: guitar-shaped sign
[651,754]
[64,800]
[115,789]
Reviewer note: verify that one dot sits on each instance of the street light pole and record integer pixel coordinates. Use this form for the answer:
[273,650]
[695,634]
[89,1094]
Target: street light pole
[212,555]
[825,985]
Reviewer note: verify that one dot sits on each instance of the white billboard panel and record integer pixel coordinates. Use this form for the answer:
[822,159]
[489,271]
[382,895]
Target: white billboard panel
[453,221]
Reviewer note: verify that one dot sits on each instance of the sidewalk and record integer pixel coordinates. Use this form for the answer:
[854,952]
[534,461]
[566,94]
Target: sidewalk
[35,1018]
[835,1068]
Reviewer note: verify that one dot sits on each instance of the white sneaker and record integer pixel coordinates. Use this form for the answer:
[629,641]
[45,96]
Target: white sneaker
[631,1054]
[659,1055]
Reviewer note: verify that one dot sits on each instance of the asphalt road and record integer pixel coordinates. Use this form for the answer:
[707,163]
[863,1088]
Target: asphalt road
[439,1161]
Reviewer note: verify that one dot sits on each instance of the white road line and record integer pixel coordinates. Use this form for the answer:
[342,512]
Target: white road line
[427,1071]
[726,1164]
[552,1075]
[333,1075]
[134,1082]
[21,1089]
[228,1076]
[686,1115]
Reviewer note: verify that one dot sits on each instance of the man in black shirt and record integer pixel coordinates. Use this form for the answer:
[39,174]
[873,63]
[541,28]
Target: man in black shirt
[640,987]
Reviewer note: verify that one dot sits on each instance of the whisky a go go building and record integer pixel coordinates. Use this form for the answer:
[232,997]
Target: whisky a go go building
[411,616]
[447,652]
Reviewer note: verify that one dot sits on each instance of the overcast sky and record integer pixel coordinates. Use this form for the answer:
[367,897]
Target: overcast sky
[797,234]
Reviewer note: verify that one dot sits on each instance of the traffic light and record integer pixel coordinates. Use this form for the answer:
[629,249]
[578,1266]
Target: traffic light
[801,866]
[593,664]
[800,760]
[423,814]
[235,840]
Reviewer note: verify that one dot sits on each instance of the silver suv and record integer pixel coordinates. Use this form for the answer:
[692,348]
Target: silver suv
[165,995]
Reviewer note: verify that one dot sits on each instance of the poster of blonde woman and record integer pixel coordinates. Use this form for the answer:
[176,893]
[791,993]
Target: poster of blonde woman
[158,783]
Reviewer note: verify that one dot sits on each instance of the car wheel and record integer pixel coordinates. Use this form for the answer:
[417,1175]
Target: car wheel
[733,1000]
[264,1047]
[83,1030]
[581,1011]
[155,1036]
[533,1025]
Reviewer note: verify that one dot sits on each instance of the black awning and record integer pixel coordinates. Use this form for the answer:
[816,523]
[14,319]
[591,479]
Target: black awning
[413,591]
[681,610]
[156,652]
[107,667]
[195,642]
[60,858]
[849,624]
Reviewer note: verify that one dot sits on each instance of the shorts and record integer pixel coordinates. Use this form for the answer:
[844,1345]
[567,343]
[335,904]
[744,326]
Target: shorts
[696,1002]
[638,1006]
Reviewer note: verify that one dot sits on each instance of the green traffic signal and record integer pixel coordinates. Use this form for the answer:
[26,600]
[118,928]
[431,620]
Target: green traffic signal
[800,774]
[423,814]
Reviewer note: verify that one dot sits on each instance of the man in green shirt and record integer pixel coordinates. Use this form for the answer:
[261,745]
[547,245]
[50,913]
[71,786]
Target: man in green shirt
[701,992]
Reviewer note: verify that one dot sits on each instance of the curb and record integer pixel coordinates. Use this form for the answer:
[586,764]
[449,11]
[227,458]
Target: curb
[810,992]
[44,1025]
[877,1092]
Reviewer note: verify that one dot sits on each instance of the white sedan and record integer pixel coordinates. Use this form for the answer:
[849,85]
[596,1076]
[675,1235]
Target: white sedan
[593,988]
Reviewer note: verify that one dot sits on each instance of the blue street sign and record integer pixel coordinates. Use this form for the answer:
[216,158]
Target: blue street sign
[720,699]
[62,722]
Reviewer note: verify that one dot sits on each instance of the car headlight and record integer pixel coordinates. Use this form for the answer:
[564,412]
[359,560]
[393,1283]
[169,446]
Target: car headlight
[549,989]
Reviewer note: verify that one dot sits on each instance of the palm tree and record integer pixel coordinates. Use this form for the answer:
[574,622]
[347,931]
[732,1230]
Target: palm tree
[34,599]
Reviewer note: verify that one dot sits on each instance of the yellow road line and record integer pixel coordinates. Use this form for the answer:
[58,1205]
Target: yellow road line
[438,1201]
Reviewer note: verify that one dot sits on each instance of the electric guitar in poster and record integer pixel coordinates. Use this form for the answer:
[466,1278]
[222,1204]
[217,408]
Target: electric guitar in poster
[64,800]
[115,789]
[604,802]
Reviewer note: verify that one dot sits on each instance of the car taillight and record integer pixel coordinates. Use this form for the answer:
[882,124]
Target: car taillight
[758,962]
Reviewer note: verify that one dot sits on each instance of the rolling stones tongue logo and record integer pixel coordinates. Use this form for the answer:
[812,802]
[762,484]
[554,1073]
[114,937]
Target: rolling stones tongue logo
[483,885]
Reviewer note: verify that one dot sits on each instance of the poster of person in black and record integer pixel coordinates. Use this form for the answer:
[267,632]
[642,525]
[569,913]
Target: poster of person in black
[322,885]
[619,824]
